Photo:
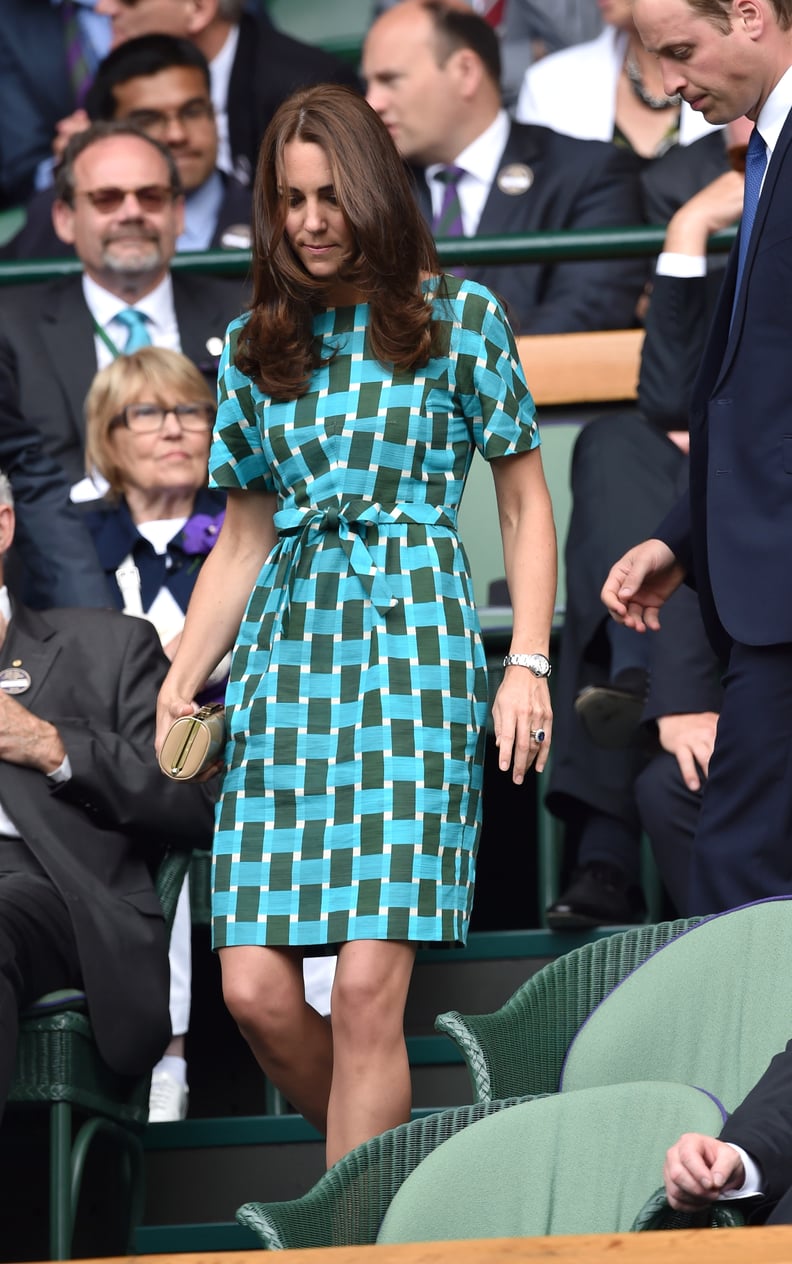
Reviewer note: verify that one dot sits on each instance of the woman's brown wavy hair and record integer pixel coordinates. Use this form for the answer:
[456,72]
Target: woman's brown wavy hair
[394,247]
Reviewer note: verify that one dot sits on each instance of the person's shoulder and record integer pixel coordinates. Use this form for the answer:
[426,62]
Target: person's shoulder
[86,626]
[554,69]
[465,301]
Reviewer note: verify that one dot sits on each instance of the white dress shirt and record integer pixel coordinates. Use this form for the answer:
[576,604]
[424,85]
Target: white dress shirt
[220,68]
[480,161]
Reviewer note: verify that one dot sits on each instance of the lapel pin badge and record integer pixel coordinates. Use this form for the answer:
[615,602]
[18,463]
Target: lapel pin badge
[515,178]
[14,680]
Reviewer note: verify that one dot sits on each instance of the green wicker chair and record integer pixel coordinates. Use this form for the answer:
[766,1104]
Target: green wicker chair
[58,1066]
[519,1049]
[349,1203]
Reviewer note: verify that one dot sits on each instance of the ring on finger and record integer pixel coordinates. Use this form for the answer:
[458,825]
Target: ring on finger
[538,735]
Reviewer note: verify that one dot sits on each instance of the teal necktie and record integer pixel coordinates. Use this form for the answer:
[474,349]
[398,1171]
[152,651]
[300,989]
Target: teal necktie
[137,325]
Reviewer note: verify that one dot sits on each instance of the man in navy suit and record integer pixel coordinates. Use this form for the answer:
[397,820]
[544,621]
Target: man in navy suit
[433,75]
[750,1159]
[732,535]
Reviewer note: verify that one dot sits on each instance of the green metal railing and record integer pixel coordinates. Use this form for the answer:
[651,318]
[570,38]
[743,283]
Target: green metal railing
[595,243]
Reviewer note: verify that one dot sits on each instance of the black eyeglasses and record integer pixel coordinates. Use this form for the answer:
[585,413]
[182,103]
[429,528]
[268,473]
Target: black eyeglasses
[147,418]
[152,197]
[155,122]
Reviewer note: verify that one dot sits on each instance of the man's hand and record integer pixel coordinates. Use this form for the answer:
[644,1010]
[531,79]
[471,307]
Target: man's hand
[639,583]
[690,739]
[27,740]
[714,208]
[698,1170]
[67,127]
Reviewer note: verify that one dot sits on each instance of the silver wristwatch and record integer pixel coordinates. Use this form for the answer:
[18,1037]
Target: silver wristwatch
[536,663]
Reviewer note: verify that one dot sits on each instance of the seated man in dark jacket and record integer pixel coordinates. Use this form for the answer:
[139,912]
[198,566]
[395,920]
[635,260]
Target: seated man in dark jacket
[84,816]
[752,1157]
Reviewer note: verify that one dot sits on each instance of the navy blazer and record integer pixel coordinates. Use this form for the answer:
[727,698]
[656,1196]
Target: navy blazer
[47,348]
[269,65]
[576,184]
[735,528]
[35,91]
[53,560]
[116,537]
[95,675]
[762,1125]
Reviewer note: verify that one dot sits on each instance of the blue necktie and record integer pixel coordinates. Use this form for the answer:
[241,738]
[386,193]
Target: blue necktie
[755,165]
[136,323]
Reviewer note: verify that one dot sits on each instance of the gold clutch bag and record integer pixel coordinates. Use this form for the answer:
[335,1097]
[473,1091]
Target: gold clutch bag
[193,742]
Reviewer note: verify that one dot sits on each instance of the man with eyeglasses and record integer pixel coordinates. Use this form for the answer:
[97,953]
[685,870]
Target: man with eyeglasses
[253,65]
[161,84]
[119,202]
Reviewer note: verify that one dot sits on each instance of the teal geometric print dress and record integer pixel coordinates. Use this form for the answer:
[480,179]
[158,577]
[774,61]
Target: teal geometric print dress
[356,705]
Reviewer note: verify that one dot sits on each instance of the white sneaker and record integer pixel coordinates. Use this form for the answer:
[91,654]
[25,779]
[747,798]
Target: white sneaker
[167,1099]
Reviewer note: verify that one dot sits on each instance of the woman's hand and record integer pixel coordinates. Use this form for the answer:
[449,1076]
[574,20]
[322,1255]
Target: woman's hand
[170,707]
[521,710]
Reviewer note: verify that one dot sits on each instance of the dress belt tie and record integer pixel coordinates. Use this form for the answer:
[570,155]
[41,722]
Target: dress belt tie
[349,523]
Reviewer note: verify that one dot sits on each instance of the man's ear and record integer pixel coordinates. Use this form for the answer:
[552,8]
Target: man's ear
[63,221]
[202,13]
[467,71]
[7,521]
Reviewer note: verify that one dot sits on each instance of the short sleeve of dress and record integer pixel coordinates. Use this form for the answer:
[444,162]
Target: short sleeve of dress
[236,457]
[490,382]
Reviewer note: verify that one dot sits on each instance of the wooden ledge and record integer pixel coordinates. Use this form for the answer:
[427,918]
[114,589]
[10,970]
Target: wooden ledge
[582,368]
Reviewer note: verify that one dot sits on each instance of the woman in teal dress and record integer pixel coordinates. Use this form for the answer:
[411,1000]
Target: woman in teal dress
[351,401]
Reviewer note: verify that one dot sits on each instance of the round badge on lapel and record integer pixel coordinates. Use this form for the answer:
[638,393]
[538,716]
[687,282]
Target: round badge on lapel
[14,680]
[515,178]
[214,346]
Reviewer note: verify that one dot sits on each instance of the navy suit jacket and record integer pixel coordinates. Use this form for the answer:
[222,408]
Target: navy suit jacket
[95,676]
[268,67]
[762,1125]
[576,184]
[53,560]
[47,348]
[735,528]
[35,91]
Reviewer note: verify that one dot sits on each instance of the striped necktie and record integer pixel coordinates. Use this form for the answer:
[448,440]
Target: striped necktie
[448,220]
[137,324]
[78,54]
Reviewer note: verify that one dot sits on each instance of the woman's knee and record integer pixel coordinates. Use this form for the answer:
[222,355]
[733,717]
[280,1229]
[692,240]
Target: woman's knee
[261,995]
[369,994]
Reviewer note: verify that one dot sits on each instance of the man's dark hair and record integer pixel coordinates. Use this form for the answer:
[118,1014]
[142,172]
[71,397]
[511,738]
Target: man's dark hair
[461,28]
[720,12]
[104,130]
[139,58]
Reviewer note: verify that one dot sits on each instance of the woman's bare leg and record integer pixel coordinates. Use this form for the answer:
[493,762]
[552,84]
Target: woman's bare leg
[371,1088]
[263,991]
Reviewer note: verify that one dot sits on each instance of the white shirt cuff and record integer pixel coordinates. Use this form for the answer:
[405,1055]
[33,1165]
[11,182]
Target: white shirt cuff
[670,263]
[62,773]
[753,1185]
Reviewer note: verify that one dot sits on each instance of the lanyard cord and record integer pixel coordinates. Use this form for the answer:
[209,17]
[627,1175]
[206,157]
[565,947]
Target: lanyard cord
[106,339]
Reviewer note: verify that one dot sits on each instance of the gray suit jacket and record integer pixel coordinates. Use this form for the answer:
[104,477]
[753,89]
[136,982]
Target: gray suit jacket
[95,676]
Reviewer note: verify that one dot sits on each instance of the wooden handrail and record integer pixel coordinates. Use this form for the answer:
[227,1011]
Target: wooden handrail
[582,368]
